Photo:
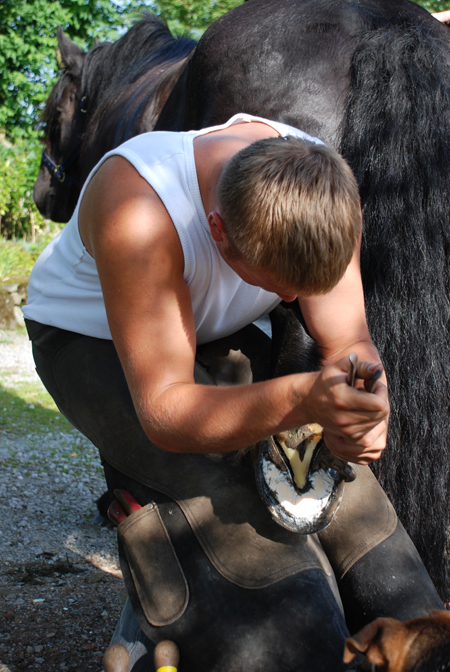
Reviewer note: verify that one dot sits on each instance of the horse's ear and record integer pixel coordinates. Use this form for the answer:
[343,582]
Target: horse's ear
[68,54]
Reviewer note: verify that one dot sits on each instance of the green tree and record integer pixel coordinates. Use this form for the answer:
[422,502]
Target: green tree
[191,17]
[435,5]
[27,50]
[19,164]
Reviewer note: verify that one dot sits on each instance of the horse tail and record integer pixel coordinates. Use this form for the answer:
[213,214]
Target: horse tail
[396,137]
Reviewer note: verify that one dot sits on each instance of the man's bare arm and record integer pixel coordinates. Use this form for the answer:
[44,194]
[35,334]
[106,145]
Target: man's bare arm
[338,323]
[140,263]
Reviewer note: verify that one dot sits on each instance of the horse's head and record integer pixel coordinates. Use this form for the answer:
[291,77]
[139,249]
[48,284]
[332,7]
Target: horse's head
[103,97]
[56,189]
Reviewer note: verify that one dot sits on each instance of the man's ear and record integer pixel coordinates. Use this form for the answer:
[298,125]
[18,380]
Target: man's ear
[216,227]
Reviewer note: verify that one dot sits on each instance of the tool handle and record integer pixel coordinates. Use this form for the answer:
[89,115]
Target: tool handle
[115,513]
[353,357]
[166,656]
[127,501]
[116,659]
[352,373]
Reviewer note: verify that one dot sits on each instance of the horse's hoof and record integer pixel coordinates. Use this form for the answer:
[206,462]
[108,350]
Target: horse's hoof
[116,659]
[166,656]
[299,480]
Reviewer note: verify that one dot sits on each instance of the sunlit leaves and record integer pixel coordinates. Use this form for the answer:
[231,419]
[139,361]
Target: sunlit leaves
[435,5]
[191,17]
[27,50]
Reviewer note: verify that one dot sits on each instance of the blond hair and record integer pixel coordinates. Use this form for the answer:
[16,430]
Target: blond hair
[291,207]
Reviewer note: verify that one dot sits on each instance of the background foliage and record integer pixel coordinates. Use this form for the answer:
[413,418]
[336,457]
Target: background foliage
[191,17]
[28,70]
[18,163]
[436,5]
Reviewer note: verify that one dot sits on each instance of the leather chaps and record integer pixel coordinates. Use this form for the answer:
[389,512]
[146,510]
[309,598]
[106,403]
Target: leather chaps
[204,563]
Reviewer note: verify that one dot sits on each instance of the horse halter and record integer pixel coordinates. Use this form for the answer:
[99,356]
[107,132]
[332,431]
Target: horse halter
[59,171]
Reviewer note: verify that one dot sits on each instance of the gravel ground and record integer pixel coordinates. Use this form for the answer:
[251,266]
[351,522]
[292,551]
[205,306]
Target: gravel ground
[61,590]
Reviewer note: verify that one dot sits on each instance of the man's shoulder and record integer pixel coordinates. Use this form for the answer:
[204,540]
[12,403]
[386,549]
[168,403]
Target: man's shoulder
[152,147]
[282,128]
[286,130]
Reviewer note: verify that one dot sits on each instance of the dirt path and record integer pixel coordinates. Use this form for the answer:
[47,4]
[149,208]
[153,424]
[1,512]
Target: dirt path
[61,591]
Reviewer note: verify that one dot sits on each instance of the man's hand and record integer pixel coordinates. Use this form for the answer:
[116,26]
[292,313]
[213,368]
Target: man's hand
[354,420]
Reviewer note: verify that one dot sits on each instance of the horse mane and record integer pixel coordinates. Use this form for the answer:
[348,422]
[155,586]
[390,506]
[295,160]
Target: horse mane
[396,137]
[124,84]
[145,65]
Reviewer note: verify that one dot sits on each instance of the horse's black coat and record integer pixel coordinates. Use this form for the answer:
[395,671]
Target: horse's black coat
[373,79]
[293,350]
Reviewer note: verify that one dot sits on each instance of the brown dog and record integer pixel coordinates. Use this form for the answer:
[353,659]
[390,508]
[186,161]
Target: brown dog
[419,645]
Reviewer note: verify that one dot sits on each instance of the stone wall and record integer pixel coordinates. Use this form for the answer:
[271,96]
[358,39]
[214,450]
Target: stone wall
[12,297]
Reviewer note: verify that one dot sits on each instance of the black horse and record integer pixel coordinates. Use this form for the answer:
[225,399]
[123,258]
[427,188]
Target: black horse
[372,78]
[104,97]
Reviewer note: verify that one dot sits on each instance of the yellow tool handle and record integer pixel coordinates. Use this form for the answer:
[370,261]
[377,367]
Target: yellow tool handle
[166,656]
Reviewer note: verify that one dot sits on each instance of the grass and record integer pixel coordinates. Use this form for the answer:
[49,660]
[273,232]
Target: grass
[17,257]
[27,411]
[27,407]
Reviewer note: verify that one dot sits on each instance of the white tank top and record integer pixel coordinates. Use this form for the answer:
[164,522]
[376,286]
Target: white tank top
[64,289]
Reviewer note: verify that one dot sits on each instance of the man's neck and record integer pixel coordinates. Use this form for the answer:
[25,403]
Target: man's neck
[213,150]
